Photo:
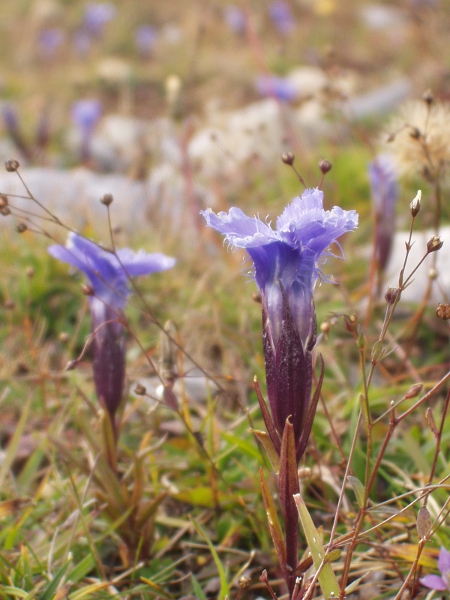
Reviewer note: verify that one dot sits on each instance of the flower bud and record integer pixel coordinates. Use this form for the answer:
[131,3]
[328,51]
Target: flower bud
[288,158]
[415,204]
[140,390]
[12,165]
[325,166]
[392,295]
[21,227]
[3,200]
[87,289]
[434,244]
[5,211]
[443,311]
[107,199]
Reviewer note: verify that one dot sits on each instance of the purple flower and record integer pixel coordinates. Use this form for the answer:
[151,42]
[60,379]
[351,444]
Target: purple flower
[145,38]
[280,88]
[86,114]
[287,265]
[97,15]
[442,582]
[235,18]
[50,40]
[108,275]
[281,15]
[384,189]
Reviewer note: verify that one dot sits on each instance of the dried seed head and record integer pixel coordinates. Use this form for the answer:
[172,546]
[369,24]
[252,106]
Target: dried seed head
[419,139]
[3,200]
[140,390]
[87,289]
[107,199]
[325,166]
[30,272]
[288,158]
[64,337]
[428,97]
[244,581]
[5,211]
[415,204]
[21,227]
[256,297]
[12,165]
[434,244]
[443,311]
[391,295]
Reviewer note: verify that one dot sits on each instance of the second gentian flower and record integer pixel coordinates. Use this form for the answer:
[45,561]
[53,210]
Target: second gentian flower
[287,263]
[109,276]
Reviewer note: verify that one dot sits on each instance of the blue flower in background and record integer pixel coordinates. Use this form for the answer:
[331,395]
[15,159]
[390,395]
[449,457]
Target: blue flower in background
[442,582]
[235,18]
[86,114]
[287,266]
[145,38]
[108,275]
[384,190]
[280,88]
[281,14]
[50,40]
[97,15]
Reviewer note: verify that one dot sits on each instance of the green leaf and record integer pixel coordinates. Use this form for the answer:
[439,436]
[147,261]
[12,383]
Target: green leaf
[222,576]
[327,579]
[359,490]
[50,591]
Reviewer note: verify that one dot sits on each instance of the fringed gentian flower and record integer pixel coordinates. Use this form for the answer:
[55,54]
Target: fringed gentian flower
[280,88]
[281,15]
[86,114]
[286,262]
[384,190]
[108,275]
[235,18]
[145,38]
[439,583]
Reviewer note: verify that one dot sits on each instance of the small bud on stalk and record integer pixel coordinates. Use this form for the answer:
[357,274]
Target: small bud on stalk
[434,244]
[415,204]
[12,165]
[140,390]
[87,289]
[288,158]
[5,211]
[428,97]
[325,166]
[107,199]
[443,311]
[392,295]
[21,228]
[3,200]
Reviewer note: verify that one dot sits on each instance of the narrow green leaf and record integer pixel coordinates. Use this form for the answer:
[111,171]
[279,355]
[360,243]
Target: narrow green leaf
[327,579]
[50,590]
[197,588]
[358,488]
[244,445]
[274,524]
[13,445]
[223,580]
[265,440]
[157,589]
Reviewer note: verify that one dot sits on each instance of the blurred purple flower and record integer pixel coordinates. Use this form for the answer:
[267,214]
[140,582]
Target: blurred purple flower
[86,114]
[145,38]
[281,14]
[442,582]
[12,125]
[286,262]
[276,87]
[384,191]
[108,275]
[97,15]
[235,18]
[50,40]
